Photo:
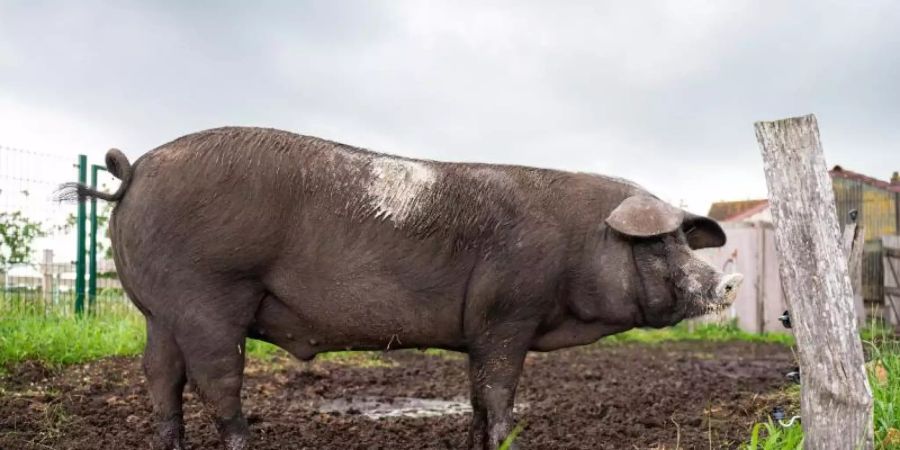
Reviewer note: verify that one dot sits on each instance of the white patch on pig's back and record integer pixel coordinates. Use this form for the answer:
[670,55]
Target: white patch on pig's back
[397,187]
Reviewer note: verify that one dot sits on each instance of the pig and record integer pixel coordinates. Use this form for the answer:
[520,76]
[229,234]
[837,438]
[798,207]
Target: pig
[314,246]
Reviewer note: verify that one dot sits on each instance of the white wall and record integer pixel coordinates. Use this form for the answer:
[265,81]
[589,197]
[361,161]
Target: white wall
[750,250]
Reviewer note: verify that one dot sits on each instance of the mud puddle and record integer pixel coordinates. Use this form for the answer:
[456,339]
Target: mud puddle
[379,408]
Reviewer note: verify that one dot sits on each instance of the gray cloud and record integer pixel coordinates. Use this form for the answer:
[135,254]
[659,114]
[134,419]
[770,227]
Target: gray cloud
[664,93]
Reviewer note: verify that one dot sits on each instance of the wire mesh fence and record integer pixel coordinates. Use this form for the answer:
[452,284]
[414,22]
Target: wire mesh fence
[38,239]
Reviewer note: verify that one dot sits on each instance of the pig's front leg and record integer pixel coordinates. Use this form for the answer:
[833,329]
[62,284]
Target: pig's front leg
[495,363]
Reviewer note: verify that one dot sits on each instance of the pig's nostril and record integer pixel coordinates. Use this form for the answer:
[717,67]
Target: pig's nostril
[728,286]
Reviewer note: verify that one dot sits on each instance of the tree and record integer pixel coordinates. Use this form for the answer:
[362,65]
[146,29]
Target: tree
[18,234]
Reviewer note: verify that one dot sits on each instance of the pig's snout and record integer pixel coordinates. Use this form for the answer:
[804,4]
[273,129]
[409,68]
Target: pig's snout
[728,287]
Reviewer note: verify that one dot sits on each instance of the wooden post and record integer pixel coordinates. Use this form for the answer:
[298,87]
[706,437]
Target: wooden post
[854,241]
[891,258]
[761,279]
[47,282]
[835,400]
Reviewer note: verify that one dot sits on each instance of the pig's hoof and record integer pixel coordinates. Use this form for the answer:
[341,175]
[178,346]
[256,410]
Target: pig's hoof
[170,434]
[234,432]
[237,442]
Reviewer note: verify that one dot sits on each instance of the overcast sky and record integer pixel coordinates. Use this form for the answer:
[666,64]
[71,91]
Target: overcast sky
[663,93]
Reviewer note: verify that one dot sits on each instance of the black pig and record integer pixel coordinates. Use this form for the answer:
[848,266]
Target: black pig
[317,246]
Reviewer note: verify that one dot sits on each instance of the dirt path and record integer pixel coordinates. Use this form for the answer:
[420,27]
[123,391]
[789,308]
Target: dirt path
[610,397]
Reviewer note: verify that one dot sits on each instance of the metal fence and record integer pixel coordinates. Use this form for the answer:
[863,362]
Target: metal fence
[38,238]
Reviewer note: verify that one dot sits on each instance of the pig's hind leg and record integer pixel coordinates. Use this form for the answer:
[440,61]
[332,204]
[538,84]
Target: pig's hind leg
[211,334]
[164,368]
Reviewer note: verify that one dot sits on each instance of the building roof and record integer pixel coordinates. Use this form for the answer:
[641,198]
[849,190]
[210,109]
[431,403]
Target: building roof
[892,186]
[727,211]
[739,210]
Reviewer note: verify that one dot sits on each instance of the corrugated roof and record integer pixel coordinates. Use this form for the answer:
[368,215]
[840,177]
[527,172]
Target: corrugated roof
[840,172]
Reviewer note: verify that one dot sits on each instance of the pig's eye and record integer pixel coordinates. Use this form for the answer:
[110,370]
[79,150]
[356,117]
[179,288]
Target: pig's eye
[658,249]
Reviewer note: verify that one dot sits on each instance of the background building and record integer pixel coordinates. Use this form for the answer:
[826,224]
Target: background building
[750,248]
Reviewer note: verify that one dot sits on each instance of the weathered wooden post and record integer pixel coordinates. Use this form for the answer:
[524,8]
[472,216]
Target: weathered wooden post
[47,280]
[854,241]
[891,258]
[835,400]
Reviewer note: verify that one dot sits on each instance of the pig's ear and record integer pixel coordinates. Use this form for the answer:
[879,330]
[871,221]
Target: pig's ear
[644,216]
[702,232]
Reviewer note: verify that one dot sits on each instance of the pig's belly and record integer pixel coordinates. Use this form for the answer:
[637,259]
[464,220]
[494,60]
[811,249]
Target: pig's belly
[306,323]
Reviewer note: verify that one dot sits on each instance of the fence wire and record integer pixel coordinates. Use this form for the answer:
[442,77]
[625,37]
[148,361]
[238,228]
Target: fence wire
[38,238]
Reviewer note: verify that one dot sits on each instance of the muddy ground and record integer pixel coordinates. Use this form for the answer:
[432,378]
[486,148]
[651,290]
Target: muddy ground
[693,395]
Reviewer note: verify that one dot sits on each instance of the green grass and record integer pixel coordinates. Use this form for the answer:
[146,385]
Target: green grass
[53,336]
[884,378]
[709,332]
[57,339]
[263,350]
[511,437]
[772,436]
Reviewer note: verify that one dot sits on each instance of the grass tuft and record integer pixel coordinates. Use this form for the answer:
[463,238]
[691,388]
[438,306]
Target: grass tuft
[508,442]
[772,436]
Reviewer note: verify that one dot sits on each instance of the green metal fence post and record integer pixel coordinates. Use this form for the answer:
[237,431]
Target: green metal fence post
[79,255]
[92,261]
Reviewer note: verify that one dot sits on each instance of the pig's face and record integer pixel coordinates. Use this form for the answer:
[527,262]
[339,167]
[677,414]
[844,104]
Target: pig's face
[674,282]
